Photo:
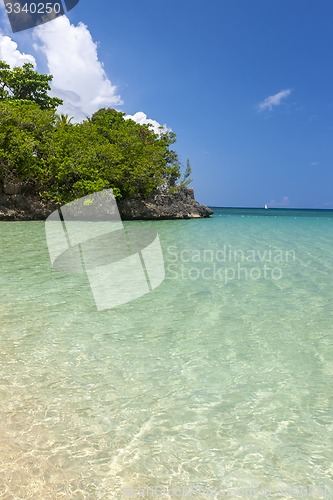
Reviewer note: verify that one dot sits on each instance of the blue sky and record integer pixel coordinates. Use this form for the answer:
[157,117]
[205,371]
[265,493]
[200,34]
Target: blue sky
[246,86]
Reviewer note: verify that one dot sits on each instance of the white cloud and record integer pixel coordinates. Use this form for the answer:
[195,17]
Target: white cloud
[78,76]
[284,203]
[142,119]
[274,100]
[10,54]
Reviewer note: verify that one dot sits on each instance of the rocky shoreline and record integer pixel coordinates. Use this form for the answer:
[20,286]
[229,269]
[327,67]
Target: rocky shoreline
[178,205]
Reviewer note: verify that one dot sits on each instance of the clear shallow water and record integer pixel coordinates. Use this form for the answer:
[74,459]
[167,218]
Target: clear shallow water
[219,380]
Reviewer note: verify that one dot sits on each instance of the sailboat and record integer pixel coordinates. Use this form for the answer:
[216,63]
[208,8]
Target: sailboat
[266,206]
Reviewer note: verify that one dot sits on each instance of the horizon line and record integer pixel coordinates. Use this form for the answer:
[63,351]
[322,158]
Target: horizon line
[269,208]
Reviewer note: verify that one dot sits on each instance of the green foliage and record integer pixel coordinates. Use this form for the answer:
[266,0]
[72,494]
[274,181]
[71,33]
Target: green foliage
[63,161]
[186,180]
[63,120]
[137,161]
[23,83]
[26,133]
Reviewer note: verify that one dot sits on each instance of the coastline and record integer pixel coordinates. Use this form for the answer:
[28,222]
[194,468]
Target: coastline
[178,205]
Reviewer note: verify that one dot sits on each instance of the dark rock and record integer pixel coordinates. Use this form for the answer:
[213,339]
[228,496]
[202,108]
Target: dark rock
[12,186]
[178,205]
[23,207]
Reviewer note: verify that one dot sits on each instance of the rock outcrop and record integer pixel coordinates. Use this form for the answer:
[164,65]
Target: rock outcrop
[179,205]
[23,207]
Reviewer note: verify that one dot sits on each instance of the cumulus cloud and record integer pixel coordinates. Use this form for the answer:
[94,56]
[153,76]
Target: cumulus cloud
[284,203]
[11,55]
[142,119]
[79,77]
[274,100]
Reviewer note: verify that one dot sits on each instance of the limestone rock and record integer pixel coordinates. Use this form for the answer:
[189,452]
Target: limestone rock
[179,205]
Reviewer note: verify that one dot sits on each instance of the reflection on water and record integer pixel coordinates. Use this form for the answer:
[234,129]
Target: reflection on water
[199,383]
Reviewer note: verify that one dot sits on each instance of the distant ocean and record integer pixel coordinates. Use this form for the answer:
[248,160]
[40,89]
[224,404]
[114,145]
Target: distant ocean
[217,383]
[276,212]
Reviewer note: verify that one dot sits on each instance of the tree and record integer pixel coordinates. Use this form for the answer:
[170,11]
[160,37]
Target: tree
[108,151]
[77,164]
[63,120]
[63,161]
[186,180]
[145,160]
[23,83]
[26,134]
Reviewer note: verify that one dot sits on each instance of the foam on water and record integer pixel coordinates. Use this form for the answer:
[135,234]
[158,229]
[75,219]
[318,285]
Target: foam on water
[217,382]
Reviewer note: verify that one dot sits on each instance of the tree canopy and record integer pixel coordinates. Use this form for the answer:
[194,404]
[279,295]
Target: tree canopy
[62,160]
[23,83]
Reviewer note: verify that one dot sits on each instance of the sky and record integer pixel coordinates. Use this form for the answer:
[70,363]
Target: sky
[245,85]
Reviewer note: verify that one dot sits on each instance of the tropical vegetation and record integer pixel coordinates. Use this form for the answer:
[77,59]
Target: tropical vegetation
[61,160]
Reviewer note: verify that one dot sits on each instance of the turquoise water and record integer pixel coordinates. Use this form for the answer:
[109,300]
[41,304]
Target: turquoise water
[218,383]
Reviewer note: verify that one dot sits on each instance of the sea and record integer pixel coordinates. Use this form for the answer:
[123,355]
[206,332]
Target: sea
[215,384]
